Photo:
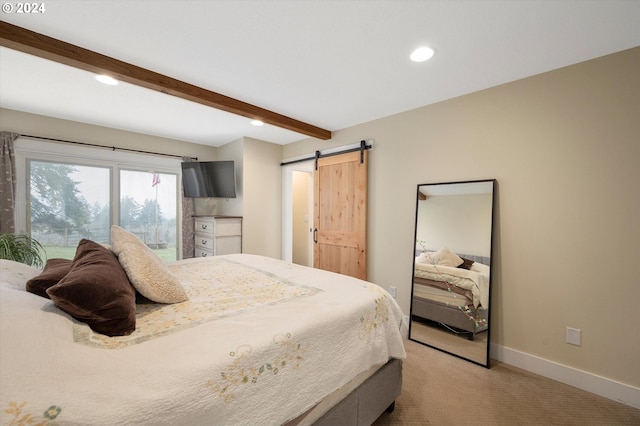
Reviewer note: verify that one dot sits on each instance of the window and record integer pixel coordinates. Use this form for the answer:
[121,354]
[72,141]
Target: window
[68,202]
[148,209]
[72,193]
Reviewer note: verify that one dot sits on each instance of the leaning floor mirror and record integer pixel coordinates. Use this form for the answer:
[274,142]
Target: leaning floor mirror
[451,289]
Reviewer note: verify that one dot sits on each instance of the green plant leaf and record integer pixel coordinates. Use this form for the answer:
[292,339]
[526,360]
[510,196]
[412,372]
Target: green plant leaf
[21,248]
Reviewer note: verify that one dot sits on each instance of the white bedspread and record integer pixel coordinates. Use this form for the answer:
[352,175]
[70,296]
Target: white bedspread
[259,342]
[476,282]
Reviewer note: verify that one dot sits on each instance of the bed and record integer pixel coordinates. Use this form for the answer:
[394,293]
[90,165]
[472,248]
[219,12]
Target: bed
[452,290]
[256,341]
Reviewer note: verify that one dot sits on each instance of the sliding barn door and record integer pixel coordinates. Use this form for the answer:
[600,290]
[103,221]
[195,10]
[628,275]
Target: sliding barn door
[340,208]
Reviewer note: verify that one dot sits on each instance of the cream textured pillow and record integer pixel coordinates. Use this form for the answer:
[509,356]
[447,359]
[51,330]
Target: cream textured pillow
[446,257]
[146,271]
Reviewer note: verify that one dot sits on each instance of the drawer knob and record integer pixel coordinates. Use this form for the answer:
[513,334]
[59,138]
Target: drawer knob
[204,242]
[203,254]
[203,226]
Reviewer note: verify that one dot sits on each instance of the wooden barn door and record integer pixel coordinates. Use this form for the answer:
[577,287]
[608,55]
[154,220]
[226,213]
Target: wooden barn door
[340,209]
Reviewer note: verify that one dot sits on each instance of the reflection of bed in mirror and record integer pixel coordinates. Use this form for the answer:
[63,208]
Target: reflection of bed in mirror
[450,298]
[456,297]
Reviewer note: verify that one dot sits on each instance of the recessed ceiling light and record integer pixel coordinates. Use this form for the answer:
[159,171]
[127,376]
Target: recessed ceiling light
[257,122]
[422,54]
[107,79]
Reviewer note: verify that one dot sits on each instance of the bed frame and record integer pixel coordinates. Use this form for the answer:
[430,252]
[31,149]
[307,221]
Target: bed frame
[448,315]
[366,403]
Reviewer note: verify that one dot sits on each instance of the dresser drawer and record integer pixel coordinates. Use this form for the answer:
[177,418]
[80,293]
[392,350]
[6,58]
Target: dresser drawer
[205,241]
[227,227]
[218,227]
[200,252]
[206,246]
[228,245]
[204,226]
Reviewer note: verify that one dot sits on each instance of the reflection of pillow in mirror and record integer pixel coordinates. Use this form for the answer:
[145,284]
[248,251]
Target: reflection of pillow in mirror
[480,268]
[466,263]
[427,257]
[446,257]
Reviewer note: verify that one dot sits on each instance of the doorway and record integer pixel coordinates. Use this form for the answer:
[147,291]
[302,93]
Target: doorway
[297,225]
[302,218]
[307,165]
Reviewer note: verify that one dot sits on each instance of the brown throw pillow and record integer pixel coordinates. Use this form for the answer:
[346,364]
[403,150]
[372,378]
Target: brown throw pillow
[53,271]
[466,263]
[97,291]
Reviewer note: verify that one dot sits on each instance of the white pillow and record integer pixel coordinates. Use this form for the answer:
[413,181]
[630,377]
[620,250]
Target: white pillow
[146,271]
[446,257]
[481,268]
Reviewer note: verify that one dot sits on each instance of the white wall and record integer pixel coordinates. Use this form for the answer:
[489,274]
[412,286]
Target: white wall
[564,147]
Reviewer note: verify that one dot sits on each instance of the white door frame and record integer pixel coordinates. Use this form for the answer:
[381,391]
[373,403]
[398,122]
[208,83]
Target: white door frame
[287,208]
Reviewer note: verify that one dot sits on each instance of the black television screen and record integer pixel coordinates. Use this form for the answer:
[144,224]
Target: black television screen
[201,179]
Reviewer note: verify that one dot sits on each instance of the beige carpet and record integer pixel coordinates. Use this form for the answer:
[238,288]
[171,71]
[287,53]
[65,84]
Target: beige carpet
[439,389]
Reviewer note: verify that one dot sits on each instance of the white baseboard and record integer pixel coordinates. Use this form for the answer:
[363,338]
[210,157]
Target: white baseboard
[608,388]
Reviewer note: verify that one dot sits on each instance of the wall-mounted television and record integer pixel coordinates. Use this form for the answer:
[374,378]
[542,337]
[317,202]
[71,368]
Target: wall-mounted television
[215,179]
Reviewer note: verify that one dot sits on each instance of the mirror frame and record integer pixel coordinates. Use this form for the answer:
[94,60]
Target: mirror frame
[493,182]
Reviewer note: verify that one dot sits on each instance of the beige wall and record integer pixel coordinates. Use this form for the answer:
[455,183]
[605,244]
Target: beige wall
[232,206]
[461,223]
[564,147]
[262,198]
[38,125]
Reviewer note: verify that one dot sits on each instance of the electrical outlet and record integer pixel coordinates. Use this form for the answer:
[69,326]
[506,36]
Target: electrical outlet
[392,292]
[574,336]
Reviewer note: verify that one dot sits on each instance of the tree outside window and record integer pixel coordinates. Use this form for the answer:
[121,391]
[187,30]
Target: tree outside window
[69,202]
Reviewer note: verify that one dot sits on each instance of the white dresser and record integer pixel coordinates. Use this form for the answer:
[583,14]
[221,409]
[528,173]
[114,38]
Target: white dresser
[216,235]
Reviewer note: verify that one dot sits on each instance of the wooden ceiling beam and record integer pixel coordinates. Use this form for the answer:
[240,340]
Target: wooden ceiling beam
[27,41]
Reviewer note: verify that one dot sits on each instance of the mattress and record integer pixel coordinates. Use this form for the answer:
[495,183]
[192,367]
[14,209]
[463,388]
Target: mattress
[442,296]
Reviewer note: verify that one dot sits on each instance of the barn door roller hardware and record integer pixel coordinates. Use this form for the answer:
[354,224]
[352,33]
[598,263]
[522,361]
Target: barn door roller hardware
[317,155]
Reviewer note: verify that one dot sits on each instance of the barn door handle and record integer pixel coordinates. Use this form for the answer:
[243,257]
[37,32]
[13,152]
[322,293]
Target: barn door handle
[315,235]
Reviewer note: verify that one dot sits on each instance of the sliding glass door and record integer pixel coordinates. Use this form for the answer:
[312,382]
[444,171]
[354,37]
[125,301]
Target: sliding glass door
[148,208]
[68,202]
[69,197]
